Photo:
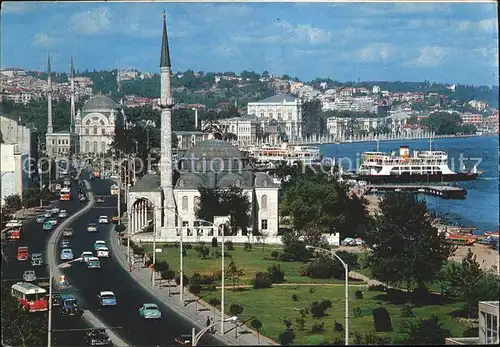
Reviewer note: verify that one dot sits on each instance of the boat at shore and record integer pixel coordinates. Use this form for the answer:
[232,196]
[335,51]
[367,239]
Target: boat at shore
[407,167]
[267,156]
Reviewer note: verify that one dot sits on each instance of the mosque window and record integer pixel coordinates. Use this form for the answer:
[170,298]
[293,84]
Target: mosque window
[103,131]
[101,122]
[95,131]
[88,122]
[196,201]
[263,224]
[263,202]
[181,183]
[87,132]
[184,203]
[95,118]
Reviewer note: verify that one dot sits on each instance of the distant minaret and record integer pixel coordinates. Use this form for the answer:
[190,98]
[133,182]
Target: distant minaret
[166,104]
[73,113]
[50,128]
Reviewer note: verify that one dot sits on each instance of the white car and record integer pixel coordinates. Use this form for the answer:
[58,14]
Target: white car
[102,252]
[14,223]
[86,255]
[103,220]
[63,214]
[55,210]
[98,244]
[93,263]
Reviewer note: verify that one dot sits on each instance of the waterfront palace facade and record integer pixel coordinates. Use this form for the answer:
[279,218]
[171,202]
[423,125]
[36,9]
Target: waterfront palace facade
[167,200]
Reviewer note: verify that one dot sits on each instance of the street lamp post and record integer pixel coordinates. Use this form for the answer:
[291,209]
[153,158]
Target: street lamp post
[196,337]
[346,268]
[153,275]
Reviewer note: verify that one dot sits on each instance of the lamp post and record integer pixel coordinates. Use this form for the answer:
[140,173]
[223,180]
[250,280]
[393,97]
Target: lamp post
[153,275]
[196,337]
[346,287]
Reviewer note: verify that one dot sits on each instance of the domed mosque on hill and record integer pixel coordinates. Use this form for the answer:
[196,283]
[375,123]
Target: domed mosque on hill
[168,200]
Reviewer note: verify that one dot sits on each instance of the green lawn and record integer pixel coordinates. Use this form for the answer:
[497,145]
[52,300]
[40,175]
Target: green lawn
[272,305]
[250,262]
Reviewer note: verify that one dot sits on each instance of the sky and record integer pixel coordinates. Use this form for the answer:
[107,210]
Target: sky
[440,42]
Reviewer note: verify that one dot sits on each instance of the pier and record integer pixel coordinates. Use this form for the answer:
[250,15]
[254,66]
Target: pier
[444,192]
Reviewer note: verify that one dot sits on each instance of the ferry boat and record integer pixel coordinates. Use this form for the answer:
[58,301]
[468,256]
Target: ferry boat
[419,166]
[270,156]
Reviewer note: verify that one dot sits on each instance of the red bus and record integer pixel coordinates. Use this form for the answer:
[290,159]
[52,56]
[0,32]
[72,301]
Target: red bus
[22,253]
[65,194]
[14,234]
[31,297]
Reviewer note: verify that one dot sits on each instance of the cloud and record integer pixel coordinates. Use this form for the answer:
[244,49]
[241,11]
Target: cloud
[402,8]
[305,33]
[43,40]
[92,22]
[482,25]
[431,56]
[17,7]
[373,52]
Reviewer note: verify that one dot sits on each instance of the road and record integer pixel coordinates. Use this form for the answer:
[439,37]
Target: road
[124,317]
[12,270]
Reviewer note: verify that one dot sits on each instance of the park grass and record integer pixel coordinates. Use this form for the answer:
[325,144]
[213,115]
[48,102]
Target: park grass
[250,262]
[272,305]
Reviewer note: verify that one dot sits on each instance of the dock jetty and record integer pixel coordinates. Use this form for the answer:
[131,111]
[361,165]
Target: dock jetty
[444,192]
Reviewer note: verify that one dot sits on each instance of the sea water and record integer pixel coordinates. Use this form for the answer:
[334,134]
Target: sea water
[481,207]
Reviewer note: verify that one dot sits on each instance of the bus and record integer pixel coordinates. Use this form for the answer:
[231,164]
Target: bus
[114,190]
[31,297]
[14,234]
[65,194]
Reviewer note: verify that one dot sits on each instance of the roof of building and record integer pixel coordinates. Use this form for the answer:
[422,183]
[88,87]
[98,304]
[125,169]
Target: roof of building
[213,149]
[278,98]
[100,102]
[148,183]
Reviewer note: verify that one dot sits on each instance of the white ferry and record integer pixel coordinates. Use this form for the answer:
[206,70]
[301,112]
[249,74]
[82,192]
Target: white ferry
[419,166]
[269,156]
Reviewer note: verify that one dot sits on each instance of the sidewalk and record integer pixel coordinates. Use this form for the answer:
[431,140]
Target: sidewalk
[196,313]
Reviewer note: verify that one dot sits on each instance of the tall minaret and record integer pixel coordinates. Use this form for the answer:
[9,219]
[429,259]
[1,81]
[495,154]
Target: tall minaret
[50,128]
[72,84]
[166,104]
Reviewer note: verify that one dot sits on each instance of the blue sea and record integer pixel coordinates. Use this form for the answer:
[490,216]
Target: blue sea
[481,207]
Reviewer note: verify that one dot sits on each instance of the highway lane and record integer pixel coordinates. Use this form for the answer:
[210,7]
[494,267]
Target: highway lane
[87,283]
[36,239]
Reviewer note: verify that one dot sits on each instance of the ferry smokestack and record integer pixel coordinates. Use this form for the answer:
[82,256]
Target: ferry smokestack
[404,151]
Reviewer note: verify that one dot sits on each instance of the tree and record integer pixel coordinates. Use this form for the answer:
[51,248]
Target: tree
[120,228]
[195,288]
[12,203]
[257,325]
[286,337]
[168,275]
[236,310]
[214,302]
[294,248]
[406,249]
[233,273]
[428,332]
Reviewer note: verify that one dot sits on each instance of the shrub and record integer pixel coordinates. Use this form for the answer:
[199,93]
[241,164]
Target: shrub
[229,245]
[382,319]
[338,327]
[185,280]
[195,288]
[187,246]
[301,322]
[207,280]
[248,246]
[286,337]
[358,294]
[262,280]
[318,308]
[324,267]
[287,257]
[357,312]
[377,287]
[214,242]
[318,327]
[304,312]
[203,251]
[275,255]
[471,332]
[276,274]
[288,323]
[217,275]
[295,297]
[407,311]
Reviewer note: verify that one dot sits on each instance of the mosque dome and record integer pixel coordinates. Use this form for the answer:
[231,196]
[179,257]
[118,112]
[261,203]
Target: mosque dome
[100,102]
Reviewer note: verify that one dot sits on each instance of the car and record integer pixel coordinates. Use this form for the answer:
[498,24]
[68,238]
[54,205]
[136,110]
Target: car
[107,298]
[103,220]
[83,198]
[65,243]
[150,311]
[68,232]
[93,263]
[69,306]
[37,259]
[183,340]
[67,183]
[48,214]
[92,228]
[85,256]
[63,214]
[22,253]
[66,254]
[102,252]
[55,210]
[52,220]
[99,243]
[14,223]
[47,226]
[29,276]
[97,337]
[100,200]
[56,299]
[40,219]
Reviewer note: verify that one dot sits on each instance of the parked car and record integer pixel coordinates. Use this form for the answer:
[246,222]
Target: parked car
[14,223]
[40,219]
[66,254]
[52,220]
[69,306]
[37,259]
[150,311]
[85,256]
[102,252]
[107,298]
[29,276]
[97,337]
[55,210]
[47,226]
[99,243]
[68,232]
[100,200]
[22,253]
[65,243]
[63,214]
[92,228]
[103,220]
[48,214]
[56,299]
[183,340]
[93,263]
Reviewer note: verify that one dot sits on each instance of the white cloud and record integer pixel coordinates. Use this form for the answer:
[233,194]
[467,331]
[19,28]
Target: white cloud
[373,52]
[43,40]
[91,22]
[482,25]
[17,7]
[430,56]
[305,33]
[412,7]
